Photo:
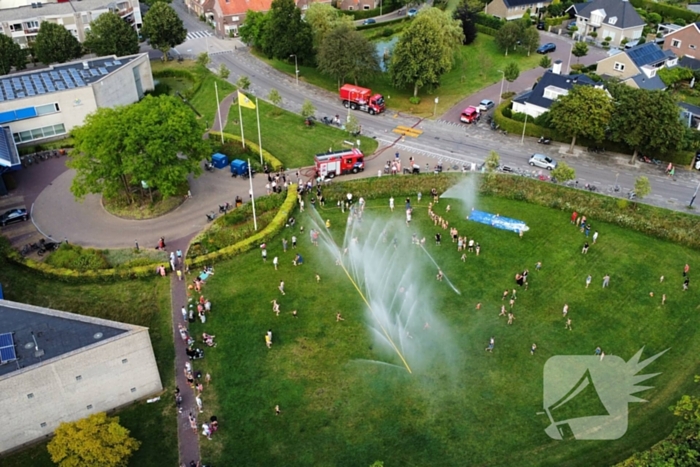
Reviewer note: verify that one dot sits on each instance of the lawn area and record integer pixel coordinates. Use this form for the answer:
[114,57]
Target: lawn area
[287,138]
[204,99]
[345,400]
[476,67]
[143,302]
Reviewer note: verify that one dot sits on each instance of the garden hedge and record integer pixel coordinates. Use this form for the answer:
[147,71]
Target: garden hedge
[272,229]
[486,30]
[362,27]
[489,21]
[275,164]
[666,11]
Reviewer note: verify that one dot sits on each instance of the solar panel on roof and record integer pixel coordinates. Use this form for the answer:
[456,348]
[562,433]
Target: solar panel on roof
[94,72]
[117,62]
[7,348]
[103,70]
[54,74]
[108,63]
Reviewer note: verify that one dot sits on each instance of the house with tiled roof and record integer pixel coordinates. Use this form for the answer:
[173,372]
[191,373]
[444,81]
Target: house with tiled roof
[228,15]
[355,5]
[551,86]
[616,19]
[514,9]
[685,42]
[638,66]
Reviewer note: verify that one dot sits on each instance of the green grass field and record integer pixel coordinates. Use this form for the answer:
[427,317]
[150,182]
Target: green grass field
[287,138]
[476,67]
[144,302]
[471,407]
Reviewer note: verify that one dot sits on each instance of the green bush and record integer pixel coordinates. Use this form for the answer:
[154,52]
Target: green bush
[183,74]
[513,126]
[520,117]
[507,112]
[507,95]
[679,22]
[78,258]
[486,30]
[489,21]
[665,10]
[671,76]
[388,31]
[415,100]
[555,21]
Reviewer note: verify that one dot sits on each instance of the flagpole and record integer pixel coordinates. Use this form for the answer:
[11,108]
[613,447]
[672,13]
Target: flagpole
[218,110]
[240,117]
[252,198]
[257,112]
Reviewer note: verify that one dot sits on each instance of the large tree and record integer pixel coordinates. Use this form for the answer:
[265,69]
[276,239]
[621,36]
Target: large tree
[54,43]
[509,35]
[646,121]
[252,30]
[466,13]
[109,34]
[163,28]
[323,18]
[585,111]
[157,141]
[98,441]
[426,50]
[511,73]
[530,39]
[286,33]
[347,54]
[11,55]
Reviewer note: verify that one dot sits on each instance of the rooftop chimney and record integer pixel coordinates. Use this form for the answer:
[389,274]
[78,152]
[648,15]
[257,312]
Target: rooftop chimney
[556,67]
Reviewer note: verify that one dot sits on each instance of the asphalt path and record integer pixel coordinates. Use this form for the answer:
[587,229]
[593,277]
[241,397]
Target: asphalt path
[444,138]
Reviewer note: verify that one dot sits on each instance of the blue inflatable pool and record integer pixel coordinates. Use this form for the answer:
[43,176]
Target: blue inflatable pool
[494,220]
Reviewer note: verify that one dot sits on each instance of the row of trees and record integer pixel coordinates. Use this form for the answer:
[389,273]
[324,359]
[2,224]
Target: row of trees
[329,40]
[646,121]
[519,32]
[109,34]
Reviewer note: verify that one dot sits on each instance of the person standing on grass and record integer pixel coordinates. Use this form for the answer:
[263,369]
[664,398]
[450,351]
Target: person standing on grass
[294,241]
[533,347]
[588,280]
[606,280]
[568,324]
[574,215]
[492,344]
[595,237]
[268,341]
[686,283]
[503,311]
[275,261]
[512,303]
[419,196]
[391,204]
[663,299]
[281,287]
[565,310]
[511,317]
[440,275]
[505,295]
[284,245]
[584,250]
[686,269]
[538,266]
[438,237]
[338,317]
[588,230]
[264,253]
[598,351]
[275,307]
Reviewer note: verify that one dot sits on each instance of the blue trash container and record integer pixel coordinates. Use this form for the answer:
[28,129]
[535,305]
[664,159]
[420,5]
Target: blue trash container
[239,167]
[219,160]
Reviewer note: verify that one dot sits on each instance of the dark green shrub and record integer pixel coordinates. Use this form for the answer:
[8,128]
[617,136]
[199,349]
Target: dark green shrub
[544,120]
[388,31]
[486,30]
[507,112]
[414,100]
[489,21]
[77,258]
[520,117]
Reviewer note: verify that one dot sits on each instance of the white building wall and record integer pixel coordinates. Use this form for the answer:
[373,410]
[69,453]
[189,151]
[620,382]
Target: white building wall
[119,87]
[533,111]
[105,382]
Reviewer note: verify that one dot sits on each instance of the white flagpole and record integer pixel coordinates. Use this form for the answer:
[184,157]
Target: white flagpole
[218,109]
[252,197]
[240,117]
[257,112]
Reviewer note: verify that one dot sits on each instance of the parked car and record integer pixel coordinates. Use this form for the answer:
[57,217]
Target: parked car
[572,25]
[540,25]
[486,105]
[369,21]
[546,48]
[540,160]
[412,12]
[14,215]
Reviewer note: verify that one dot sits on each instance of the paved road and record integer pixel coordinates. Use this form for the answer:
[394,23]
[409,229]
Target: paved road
[528,77]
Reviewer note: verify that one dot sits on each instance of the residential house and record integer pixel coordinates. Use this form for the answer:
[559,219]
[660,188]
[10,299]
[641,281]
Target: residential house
[201,8]
[637,66]
[690,115]
[550,87]
[354,5]
[616,19]
[684,42]
[514,9]
[227,16]
[21,19]
[690,63]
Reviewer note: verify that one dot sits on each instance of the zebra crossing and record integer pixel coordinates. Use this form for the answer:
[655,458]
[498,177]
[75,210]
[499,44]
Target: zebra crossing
[197,35]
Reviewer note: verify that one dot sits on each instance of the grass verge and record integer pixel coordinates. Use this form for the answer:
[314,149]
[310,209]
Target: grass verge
[144,302]
[337,410]
[476,67]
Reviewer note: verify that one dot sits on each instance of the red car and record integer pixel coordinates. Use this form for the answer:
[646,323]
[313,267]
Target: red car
[469,115]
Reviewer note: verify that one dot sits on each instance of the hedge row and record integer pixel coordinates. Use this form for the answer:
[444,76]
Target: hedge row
[364,14]
[362,27]
[555,21]
[274,163]
[486,30]
[489,21]
[272,229]
[666,11]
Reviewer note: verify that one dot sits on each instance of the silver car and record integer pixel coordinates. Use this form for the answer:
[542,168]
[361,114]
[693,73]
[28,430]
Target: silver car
[540,160]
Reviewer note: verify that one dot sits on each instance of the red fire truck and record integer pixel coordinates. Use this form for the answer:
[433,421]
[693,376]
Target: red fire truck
[356,98]
[339,162]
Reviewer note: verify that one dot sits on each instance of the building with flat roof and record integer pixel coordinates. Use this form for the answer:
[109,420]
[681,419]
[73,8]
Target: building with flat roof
[48,103]
[59,367]
[21,19]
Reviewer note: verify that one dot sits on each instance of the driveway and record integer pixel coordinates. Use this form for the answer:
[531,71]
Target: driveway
[527,78]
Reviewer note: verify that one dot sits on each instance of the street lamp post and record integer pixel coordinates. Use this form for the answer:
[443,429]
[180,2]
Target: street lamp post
[502,82]
[522,139]
[571,52]
[436,103]
[296,67]
[692,200]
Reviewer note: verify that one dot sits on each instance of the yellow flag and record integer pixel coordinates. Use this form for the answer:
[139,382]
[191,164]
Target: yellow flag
[243,101]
